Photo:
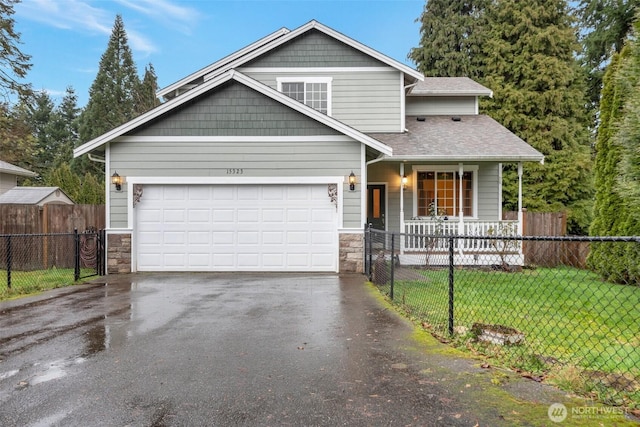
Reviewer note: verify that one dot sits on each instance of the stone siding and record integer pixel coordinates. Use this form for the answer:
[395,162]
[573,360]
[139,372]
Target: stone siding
[118,253]
[351,253]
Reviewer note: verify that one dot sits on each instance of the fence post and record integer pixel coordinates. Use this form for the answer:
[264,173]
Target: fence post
[450,285]
[392,264]
[76,255]
[9,260]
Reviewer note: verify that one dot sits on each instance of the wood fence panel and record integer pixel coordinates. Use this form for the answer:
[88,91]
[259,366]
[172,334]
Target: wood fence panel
[20,219]
[550,254]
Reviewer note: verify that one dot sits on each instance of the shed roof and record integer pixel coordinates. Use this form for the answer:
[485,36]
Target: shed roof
[474,137]
[28,195]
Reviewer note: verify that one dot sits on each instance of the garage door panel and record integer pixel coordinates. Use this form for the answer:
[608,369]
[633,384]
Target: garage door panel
[236,228]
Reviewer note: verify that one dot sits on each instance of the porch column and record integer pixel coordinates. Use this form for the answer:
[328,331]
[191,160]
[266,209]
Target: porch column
[520,215]
[401,208]
[460,200]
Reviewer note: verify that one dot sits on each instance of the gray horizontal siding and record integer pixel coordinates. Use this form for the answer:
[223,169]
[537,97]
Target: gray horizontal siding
[365,100]
[234,110]
[389,173]
[257,159]
[314,49]
[440,105]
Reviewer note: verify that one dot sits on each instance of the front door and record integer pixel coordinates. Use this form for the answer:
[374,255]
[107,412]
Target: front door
[376,206]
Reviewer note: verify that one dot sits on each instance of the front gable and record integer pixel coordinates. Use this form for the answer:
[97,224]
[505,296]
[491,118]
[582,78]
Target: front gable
[233,109]
[314,49]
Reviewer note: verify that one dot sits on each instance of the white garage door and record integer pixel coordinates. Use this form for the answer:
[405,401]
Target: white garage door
[236,228]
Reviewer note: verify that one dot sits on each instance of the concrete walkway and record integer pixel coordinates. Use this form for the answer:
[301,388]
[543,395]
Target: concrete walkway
[242,349]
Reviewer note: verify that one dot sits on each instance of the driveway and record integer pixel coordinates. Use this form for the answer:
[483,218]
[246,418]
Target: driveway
[228,349]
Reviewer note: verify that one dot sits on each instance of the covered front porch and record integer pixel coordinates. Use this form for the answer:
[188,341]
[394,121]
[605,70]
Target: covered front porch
[426,203]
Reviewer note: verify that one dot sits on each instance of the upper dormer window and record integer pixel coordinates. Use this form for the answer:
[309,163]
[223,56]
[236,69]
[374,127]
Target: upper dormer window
[312,91]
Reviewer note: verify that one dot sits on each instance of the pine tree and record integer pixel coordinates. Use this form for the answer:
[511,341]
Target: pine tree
[111,96]
[14,64]
[451,36]
[529,62]
[146,98]
[605,25]
[113,92]
[17,144]
[64,127]
[38,112]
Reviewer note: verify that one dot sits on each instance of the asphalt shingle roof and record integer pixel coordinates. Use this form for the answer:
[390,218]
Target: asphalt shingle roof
[449,86]
[476,137]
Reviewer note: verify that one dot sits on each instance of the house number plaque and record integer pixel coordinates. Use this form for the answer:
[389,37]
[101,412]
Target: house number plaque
[235,171]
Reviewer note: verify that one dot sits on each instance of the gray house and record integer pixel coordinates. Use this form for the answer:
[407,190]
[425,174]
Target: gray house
[274,158]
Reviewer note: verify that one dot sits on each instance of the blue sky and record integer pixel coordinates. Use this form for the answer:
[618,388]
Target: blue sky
[67,37]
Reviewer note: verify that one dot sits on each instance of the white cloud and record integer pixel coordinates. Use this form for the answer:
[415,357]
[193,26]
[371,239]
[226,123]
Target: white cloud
[81,16]
[165,12]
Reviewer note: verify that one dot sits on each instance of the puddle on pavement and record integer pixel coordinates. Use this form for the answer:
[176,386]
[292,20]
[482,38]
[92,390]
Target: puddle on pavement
[8,374]
[54,371]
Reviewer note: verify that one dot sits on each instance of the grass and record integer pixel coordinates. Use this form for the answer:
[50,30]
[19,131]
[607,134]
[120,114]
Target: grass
[30,282]
[570,318]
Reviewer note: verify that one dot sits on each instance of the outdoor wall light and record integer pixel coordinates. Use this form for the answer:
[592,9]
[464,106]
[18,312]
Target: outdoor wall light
[117,181]
[352,181]
[404,182]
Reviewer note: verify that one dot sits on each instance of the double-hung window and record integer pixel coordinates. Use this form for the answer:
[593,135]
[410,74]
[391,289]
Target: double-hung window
[312,91]
[438,191]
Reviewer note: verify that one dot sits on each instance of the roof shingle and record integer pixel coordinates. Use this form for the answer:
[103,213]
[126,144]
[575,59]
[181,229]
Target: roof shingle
[476,137]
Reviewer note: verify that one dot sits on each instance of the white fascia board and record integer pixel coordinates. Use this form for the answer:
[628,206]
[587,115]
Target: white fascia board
[222,62]
[249,82]
[468,158]
[338,36]
[149,115]
[312,113]
[239,139]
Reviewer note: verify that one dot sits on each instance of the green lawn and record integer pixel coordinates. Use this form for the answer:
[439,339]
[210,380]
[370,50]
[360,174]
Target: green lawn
[570,317]
[29,282]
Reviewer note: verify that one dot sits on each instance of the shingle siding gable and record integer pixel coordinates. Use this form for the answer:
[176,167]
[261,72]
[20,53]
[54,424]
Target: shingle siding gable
[234,110]
[314,49]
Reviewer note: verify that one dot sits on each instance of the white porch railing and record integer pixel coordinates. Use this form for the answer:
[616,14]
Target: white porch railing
[424,235]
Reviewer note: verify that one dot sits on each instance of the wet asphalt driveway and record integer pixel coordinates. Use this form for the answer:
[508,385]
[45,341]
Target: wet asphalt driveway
[222,349]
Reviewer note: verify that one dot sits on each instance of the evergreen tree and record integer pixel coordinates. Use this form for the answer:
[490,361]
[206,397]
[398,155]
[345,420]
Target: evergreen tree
[451,37]
[16,140]
[146,98]
[83,190]
[38,111]
[605,25]
[64,127]
[610,211]
[14,64]
[529,62]
[113,92]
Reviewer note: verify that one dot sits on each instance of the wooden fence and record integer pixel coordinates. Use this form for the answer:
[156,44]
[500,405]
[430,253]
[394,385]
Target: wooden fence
[550,254]
[32,219]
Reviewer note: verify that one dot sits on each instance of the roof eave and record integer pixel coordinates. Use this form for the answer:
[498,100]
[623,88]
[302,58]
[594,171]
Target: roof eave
[523,158]
[222,62]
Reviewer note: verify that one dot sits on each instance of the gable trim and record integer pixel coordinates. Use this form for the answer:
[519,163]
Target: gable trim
[239,139]
[220,63]
[324,70]
[248,82]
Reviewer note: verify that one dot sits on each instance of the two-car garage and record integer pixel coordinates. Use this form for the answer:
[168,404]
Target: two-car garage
[236,227]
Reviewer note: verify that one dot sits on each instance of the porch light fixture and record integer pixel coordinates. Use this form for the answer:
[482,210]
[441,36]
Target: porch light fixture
[117,181]
[352,181]
[404,182]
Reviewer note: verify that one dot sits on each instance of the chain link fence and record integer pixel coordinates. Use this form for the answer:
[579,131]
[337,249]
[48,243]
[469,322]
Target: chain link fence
[529,303]
[32,262]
